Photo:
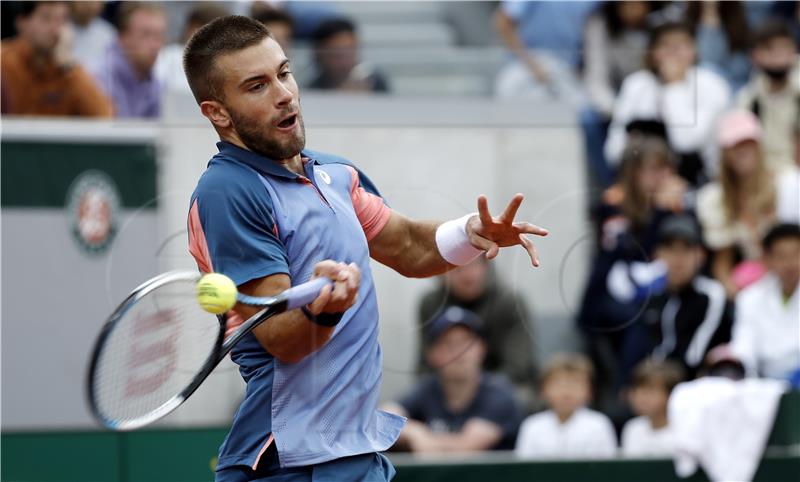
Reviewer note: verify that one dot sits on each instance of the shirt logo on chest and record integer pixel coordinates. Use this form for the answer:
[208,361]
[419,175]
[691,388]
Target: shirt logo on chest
[326,178]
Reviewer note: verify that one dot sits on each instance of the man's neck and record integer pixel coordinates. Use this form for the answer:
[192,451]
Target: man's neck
[293,164]
[458,394]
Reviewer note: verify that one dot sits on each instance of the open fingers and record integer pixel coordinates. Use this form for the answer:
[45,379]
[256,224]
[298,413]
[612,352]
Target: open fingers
[530,248]
[529,228]
[511,209]
[483,211]
[490,247]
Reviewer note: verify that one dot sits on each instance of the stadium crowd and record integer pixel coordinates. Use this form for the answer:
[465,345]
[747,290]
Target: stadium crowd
[690,113]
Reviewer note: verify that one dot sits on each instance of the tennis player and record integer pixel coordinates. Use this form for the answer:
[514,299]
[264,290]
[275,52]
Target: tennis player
[270,213]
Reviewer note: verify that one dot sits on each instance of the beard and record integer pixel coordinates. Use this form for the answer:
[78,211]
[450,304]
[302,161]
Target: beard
[257,139]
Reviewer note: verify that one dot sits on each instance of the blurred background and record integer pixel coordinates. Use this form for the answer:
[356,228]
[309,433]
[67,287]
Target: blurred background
[659,142]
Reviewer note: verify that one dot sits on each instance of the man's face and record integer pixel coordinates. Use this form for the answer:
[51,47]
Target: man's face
[683,261]
[339,55]
[262,99]
[776,55]
[143,38]
[783,259]
[468,282]
[43,27]
[457,354]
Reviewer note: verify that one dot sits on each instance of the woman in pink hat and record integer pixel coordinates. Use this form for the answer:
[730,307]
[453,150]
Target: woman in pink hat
[738,209]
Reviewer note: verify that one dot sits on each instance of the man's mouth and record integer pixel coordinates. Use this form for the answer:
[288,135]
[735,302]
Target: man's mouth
[288,122]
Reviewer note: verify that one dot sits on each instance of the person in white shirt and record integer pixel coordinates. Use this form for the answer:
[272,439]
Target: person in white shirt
[687,98]
[649,434]
[766,329]
[568,429]
[91,34]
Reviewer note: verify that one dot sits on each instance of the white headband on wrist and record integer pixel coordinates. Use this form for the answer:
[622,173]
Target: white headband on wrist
[453,242]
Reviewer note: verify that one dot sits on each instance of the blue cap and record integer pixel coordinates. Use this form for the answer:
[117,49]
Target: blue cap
[450,317]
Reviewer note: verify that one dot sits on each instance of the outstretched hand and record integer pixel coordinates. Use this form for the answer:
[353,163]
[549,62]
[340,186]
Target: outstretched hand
[491,233]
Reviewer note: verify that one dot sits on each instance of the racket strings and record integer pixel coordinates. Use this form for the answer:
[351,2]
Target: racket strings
[153,353]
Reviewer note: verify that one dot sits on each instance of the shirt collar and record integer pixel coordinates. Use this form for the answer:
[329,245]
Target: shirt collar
[262,165]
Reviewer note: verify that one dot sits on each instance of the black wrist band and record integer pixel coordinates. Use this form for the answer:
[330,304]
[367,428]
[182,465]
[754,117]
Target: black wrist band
[322,319]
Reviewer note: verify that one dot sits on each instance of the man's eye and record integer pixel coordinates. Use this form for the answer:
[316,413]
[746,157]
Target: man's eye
[257,87]
[285,74]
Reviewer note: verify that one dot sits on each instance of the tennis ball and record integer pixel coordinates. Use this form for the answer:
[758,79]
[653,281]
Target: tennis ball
[216,293]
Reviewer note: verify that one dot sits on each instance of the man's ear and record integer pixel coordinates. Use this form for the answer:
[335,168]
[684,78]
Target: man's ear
[216,113]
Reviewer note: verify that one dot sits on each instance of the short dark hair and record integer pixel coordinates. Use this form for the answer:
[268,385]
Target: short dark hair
[770,30]
[270,15]
[218,37]
[25,9]
[127,9]
[331,27]
[779,232]
[665,373]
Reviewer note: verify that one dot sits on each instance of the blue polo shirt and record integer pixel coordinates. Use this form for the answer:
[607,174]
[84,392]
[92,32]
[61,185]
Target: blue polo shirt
[249,218]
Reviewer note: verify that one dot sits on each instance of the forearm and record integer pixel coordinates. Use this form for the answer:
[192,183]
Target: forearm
[413,251]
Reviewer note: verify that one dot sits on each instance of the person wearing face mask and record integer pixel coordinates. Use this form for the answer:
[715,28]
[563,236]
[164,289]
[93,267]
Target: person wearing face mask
[773,93]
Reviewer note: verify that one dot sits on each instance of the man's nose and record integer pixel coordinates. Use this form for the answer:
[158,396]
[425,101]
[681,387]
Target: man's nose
[284,96]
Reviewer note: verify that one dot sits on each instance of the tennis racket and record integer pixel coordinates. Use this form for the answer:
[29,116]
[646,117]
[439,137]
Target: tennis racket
[159,345]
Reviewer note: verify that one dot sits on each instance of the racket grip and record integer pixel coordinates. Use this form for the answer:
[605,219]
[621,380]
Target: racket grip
[305,293]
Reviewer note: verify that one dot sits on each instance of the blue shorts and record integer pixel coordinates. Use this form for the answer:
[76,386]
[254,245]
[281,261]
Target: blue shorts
[372,467]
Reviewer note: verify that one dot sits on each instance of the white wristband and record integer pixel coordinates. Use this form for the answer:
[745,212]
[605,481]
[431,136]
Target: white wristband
[453,242]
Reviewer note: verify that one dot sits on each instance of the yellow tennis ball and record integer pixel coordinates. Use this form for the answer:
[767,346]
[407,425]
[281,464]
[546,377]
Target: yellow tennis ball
[216,293]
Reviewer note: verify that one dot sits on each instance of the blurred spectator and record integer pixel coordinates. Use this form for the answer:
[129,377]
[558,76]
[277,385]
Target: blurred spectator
[126,73]
[546,39]
[461,408]
[691,315]
[737,210]
[788,186]
[688,99]
[507,329]
[615,41]
[36,79]
[168,69]
[649,433]
[337,60]
[629,217]
[722,38]
[773,94]
[280,25]
[91,34]
[568,429]
[722,362]
[765,332]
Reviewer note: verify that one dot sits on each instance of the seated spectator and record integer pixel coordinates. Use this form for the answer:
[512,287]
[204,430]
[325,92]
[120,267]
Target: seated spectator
[615,40]
[767,323]
[545,38]
[460,408]
[628,219]
[649,433]
[91,34]
[691,315]
[337,60]
[280,25]
[722,38]
[169,65]
[126,73]
[686,98]
[507,329]
[37,81]
[788,186]
[737,210]
[567,429]
[773,94]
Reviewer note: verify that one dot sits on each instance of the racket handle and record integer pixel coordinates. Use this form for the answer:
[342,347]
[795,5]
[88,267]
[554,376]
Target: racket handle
[305,293]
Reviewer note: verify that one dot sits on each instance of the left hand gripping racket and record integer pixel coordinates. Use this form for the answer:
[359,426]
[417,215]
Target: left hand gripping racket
[159,345]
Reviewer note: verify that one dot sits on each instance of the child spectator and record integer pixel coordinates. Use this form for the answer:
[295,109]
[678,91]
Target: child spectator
[691,315]
[127,71]
[722,38]
[649,434]
[460,408]
[688,100]
[338,65]
[737,210]
[568,429]
[773,94]
[36,81]
[767,324]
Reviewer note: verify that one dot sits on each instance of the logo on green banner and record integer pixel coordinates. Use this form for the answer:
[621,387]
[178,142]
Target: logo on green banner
[93,207]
